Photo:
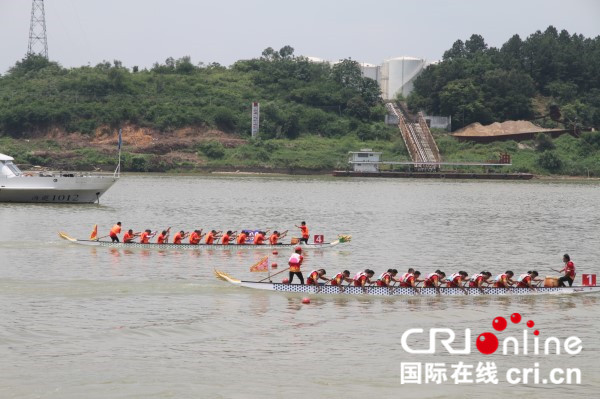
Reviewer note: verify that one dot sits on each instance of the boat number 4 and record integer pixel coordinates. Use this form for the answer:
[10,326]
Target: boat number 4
[319,239]
[589,279]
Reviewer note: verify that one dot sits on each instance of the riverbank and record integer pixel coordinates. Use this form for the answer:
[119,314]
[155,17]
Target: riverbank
[202,150]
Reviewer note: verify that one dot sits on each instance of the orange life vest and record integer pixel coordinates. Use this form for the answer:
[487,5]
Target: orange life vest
[210,238]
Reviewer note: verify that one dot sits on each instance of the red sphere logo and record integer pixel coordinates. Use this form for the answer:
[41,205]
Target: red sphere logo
[487,343]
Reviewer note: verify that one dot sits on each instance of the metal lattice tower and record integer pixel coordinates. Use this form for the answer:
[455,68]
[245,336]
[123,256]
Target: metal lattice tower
[38,44]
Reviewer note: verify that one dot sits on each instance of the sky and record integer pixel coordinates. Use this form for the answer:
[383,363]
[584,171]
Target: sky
[140,33]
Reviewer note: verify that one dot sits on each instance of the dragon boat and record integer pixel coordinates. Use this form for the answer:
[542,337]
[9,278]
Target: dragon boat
[403,291]
[132,245]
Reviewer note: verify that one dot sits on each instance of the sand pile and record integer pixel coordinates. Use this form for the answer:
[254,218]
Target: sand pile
[500,129]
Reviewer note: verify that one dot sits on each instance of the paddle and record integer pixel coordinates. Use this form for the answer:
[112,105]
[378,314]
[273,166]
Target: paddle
[269,277]
[99,238]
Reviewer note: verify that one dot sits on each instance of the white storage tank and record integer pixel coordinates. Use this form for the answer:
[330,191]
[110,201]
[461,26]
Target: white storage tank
[399,74]
[371,71]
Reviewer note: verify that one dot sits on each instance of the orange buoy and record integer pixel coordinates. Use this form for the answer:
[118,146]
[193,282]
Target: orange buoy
[275,252]
[306,300]
[285,281]
[274,265]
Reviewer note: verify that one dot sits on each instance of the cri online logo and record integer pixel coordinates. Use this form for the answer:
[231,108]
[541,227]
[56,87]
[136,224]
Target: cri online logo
[487,343]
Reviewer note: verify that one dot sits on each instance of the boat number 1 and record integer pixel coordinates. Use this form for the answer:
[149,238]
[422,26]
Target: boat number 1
[589,279]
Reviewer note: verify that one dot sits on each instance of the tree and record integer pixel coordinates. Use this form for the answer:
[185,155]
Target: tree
[347,73]
[475,45]
[286,52]
[457,51]
[550,161]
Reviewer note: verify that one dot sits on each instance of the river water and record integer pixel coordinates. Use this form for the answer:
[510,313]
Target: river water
[80,322]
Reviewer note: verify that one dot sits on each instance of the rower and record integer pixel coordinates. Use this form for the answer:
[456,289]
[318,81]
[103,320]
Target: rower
[504,280]
[241,238]
[405,275]
[179,236]
[163,237]
[363,278]
[411,280]
[477,280]
[315,275]
[226,237]
[339,278]
[304,230]
[145,236]
[457,280]
[129,236]
[386,277]
[259,238]
[211,236]
[434,280]
[527,280]
[195,237]
[276,236]
[116,229]
[294,263]
[569,271]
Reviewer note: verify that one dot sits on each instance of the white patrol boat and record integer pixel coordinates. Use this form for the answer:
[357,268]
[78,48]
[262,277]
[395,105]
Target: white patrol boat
[51,187]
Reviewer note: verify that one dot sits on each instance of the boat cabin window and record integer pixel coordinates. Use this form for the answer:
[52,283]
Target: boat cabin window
[13,168]
[362,155]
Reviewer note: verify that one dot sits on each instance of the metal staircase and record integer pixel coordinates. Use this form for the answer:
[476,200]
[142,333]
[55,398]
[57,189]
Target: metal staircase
[417,138]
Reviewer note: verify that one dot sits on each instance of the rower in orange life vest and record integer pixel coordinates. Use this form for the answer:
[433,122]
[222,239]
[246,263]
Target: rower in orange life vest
[569,271]
[195,237]
[387,277]
[129,236]
[116,229]
[339,278]
[363,278]
[211,237]
[479,279]
[227,237]
[163,237]
[504,280]
[526,280]
[276,236]
[294,263]
[304,230]
[259,238]
[315,275]
[145,236]
[179,236]
[241,238]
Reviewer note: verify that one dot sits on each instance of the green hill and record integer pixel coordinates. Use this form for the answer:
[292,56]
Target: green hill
[184,116]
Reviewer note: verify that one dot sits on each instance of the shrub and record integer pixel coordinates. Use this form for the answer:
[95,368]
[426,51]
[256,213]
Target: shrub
[550,161]
[212,149]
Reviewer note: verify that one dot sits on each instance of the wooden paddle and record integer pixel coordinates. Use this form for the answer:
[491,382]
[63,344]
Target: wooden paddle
[269,277]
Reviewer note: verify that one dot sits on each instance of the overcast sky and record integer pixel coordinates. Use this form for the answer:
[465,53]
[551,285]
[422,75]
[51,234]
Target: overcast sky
[141,32]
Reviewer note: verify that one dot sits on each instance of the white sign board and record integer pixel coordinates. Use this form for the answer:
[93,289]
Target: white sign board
[255,118]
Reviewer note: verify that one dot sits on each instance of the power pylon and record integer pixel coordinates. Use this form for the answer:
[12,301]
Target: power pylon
[38,44]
